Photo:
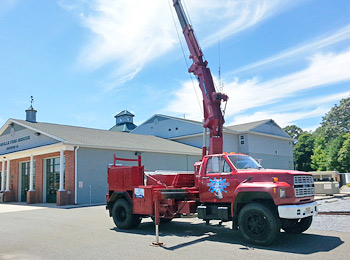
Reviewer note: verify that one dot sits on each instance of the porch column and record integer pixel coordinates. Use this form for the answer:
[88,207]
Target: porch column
[3,175]
[8,176]
[31,175]
[61,170]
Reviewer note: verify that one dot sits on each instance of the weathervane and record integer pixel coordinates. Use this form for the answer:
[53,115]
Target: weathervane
[31,100]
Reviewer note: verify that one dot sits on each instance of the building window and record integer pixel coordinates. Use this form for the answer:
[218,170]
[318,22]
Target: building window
[242,139]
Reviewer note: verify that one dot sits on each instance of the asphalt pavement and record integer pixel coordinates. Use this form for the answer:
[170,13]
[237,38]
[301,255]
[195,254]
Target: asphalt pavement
[38,233]
[46,231]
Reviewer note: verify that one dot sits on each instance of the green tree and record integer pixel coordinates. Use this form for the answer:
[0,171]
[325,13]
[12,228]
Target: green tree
[337,121]
[333,148]
[303,150]
[319,157]
[293,131]
[344,155]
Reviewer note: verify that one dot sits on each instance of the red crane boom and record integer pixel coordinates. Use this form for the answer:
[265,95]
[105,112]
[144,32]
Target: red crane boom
[213,116]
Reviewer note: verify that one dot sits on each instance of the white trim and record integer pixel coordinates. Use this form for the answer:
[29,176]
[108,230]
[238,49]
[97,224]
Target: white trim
[19,192]
[2,188]
[31,173]
[8,175]
[52,148]
[133,149]
[44,180]
[76,175]
[5,126]
[62,166]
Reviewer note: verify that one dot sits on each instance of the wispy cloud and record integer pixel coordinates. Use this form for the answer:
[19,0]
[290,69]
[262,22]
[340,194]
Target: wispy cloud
[224,18]
[291,113]
[311,102]
[128,36]
[323,70]
[125,34]
[295,53]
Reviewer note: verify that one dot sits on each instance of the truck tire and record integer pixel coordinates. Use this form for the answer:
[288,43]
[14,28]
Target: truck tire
[122,215]
[297,226]
[258,224]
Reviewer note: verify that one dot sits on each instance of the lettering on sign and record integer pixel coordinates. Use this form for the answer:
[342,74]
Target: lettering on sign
[14,141]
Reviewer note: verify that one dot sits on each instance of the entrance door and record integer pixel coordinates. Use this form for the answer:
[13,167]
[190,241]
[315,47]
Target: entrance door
[53,179]
[25,170]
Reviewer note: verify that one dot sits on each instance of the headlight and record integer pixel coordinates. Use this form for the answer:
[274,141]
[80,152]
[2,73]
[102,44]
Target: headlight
[282,193]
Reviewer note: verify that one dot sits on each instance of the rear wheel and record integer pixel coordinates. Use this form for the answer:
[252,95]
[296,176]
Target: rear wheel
[122,215]
[258,224]
[296,226]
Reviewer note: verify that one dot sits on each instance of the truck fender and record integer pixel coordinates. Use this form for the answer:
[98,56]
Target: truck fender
[115,196]
[249,192]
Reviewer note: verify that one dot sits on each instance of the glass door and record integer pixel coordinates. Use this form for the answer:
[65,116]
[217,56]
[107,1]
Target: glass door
[25,170]
[53,179]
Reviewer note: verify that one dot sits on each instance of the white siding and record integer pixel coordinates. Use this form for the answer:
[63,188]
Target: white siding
[269,145]
[93,163]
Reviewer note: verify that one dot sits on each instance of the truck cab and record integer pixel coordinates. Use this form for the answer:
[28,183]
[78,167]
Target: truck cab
[230,184]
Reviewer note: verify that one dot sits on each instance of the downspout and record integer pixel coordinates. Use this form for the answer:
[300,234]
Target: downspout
[76,175]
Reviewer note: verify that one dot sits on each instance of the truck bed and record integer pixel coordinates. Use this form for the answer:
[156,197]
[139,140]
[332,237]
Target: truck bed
[176,180]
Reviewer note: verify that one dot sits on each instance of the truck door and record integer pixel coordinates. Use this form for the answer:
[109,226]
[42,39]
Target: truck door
[218,182]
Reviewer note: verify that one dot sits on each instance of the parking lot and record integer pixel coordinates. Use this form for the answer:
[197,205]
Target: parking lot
[42,232]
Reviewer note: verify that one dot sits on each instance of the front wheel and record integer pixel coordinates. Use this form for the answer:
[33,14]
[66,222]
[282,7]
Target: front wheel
[122,215]
[297,226]
[258,224]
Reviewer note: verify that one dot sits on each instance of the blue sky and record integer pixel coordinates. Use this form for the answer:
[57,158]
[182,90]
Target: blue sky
[85,61]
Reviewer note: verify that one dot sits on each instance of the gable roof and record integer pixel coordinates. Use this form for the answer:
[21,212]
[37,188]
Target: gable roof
[97,138]
[267,126]
[124,113]
[248,126]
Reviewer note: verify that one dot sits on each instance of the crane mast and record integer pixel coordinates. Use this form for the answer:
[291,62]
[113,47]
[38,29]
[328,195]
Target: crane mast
[213,116]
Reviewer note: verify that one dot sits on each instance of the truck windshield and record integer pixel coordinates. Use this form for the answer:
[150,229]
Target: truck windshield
[244,162]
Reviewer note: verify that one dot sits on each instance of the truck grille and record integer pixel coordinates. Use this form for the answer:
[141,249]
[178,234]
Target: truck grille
[304,186]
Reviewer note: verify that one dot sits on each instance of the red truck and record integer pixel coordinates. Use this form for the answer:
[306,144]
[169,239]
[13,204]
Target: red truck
[224,186]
